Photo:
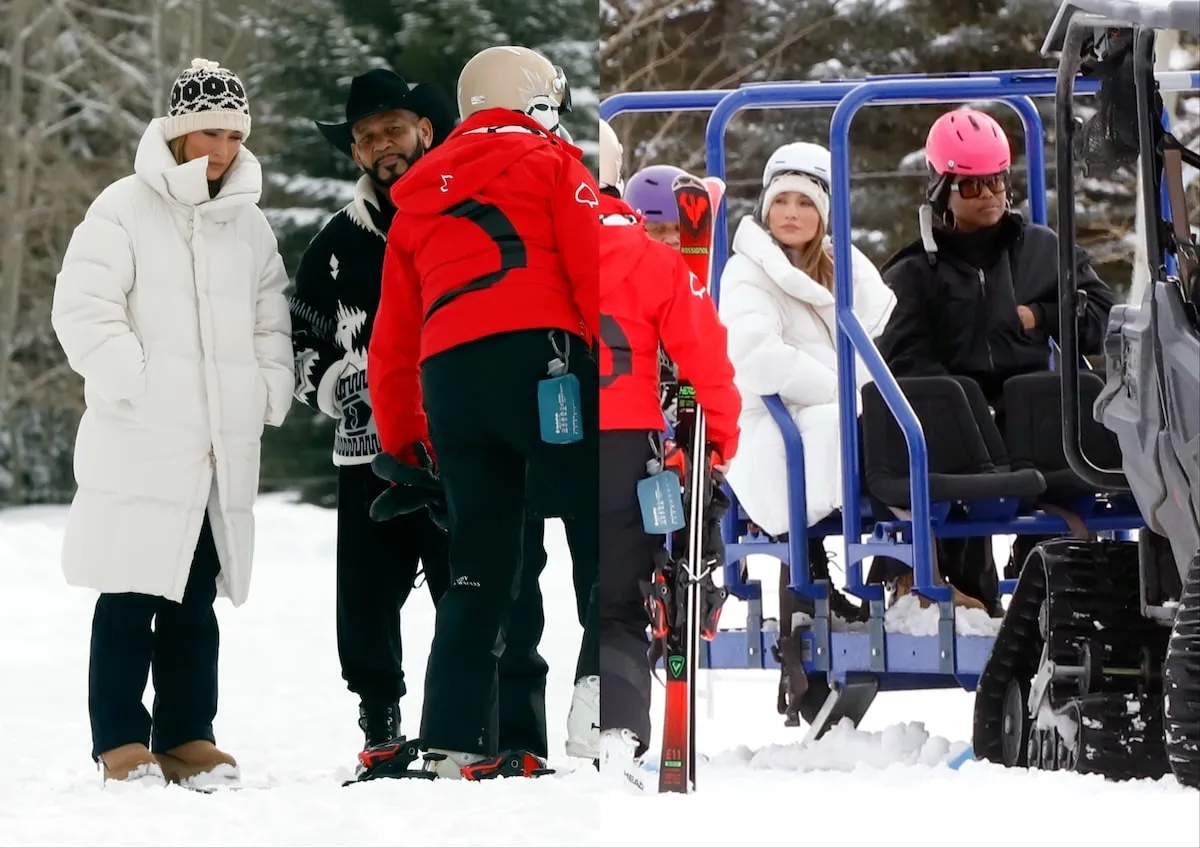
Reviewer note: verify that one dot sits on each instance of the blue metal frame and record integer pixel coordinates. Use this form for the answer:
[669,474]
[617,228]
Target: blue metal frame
[920,552]
[725,104]
[1172,264]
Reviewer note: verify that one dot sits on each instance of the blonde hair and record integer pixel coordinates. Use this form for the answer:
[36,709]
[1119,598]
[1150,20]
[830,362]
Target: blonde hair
[813,259]
[176,146]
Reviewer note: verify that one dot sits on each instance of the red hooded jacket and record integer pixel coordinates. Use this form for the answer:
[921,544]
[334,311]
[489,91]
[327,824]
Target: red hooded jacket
[647,296]
[495,231]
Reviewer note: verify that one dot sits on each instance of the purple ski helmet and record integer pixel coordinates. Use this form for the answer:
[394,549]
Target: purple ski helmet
[649,193]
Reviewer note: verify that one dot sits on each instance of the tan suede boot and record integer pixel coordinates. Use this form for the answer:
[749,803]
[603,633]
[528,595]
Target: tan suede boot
[130,763]
[199,764]
[904,586]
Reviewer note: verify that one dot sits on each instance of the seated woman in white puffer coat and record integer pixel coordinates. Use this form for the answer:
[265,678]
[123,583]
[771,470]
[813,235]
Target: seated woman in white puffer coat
[170,305]
[777,301]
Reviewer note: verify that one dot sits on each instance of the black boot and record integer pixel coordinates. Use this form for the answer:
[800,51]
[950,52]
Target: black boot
[839,605]
[380,723]
[385,752]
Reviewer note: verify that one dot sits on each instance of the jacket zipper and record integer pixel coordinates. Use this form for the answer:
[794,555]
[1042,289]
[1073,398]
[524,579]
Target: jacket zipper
[986,339]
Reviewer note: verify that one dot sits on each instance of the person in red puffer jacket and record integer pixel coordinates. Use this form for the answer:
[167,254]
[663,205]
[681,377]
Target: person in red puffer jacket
[490,277]
[648,297]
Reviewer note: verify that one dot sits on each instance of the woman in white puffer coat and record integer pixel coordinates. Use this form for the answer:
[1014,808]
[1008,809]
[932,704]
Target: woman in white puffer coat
[776,299]
[170,305]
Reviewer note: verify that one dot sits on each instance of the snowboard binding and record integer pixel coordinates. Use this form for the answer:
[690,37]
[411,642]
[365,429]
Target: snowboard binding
[395,759]
[508,764]
[392,759]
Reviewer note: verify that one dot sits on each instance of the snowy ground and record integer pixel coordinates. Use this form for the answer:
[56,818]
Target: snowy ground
[287,717]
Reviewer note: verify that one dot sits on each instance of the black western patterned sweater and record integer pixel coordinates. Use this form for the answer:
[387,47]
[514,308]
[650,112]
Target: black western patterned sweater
[333,309]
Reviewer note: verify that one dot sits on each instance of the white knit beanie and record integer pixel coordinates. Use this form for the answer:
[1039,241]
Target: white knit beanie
[804,185]
[207,97]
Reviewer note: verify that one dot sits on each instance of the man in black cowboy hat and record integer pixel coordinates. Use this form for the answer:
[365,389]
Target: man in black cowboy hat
[388,126]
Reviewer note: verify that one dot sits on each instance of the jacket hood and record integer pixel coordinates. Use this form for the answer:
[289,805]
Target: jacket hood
[752,242]
[479,150]
[873,299]
[187,184]
[623,239]
[615,207]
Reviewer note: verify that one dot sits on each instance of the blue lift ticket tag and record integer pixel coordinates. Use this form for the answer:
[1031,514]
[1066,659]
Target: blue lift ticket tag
[558,410]
[661,500]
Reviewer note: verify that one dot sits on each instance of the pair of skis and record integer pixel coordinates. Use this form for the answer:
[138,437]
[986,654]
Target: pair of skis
[683,602]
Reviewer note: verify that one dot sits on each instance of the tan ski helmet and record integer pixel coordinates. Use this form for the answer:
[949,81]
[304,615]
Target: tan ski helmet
[517,78]
[611,154]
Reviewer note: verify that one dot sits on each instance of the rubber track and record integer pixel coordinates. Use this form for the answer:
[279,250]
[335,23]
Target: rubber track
[1093,599]
[1181,675]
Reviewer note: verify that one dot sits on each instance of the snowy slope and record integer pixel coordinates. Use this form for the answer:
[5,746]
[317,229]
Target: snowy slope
[286,715]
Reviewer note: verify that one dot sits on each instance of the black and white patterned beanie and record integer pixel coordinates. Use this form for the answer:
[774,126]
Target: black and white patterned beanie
[207,97]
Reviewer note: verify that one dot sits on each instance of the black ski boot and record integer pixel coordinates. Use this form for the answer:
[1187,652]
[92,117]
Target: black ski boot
[380,723]
[385,752]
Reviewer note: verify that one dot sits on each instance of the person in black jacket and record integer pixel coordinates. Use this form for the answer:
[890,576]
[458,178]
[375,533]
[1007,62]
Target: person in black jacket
[977,294]
[389,126]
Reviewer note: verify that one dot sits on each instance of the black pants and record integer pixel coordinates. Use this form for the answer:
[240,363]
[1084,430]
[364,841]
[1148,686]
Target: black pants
[521,670]
[378,563]
[584,541]
[133,634]
[377,566]
[627,555]
[481,402]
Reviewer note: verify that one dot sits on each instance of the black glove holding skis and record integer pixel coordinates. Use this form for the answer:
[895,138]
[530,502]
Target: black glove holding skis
[716,504]
[413,487]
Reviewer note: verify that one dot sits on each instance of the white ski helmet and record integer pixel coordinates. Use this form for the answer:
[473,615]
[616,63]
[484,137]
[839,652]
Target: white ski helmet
[517,78]
[611,154]
[800,157]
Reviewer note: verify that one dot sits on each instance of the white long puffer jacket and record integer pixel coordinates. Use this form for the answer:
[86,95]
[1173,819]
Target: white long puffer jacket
[782,330]
[170,305]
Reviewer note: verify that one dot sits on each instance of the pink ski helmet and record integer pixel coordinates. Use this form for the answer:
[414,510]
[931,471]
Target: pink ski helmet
[967,142]
[649,193]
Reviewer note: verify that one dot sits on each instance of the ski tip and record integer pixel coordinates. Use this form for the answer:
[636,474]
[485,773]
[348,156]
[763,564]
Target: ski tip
[686,180]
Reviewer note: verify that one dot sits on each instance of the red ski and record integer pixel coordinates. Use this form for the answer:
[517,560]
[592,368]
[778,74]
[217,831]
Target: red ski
[684,602]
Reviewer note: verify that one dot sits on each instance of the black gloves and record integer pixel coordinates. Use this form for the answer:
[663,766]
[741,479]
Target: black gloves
[413,487]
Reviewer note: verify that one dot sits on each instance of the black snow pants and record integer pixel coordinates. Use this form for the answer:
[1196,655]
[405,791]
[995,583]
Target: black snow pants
[377,567]
[481,402]
[627,556]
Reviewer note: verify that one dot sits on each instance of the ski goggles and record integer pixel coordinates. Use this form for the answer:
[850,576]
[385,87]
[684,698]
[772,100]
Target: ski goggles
[969,188]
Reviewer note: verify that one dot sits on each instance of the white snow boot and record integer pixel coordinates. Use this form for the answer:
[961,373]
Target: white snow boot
[450,768]
[620,764]
[457,765]
[583,720]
